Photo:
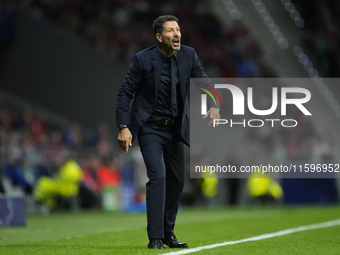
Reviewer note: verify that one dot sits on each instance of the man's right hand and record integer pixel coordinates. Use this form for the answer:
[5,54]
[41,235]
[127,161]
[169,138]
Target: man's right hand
[124,139]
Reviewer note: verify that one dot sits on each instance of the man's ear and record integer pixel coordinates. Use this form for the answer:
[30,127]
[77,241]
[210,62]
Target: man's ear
[159,37]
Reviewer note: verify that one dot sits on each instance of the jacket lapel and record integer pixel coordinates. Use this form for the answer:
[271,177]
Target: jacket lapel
[181,70]
[156,60]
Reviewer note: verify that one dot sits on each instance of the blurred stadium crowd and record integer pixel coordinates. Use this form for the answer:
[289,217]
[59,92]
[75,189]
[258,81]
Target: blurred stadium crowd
[33,147]
[322,38]
[119,29]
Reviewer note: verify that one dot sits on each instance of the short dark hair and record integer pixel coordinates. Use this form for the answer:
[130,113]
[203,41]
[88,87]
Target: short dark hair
[157,25]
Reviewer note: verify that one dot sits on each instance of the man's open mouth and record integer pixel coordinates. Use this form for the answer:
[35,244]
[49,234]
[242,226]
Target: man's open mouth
[176,42]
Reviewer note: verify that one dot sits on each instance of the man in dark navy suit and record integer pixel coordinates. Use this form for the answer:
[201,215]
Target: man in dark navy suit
[158,79]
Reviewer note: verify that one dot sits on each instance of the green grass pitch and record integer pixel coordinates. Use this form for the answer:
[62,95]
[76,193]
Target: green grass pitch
[119,233]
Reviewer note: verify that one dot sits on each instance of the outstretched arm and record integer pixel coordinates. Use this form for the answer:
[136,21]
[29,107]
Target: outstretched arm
[198,72]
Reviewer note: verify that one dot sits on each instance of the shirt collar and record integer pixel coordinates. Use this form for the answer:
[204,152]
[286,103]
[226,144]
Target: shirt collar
[165,58]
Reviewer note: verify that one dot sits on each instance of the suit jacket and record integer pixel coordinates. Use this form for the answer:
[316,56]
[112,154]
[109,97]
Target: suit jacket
[142,83]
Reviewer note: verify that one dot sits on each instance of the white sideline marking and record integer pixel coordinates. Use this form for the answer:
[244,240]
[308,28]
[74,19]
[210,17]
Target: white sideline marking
[260,237]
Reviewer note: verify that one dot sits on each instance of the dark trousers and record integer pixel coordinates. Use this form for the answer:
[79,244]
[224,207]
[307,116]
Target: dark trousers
[163,154]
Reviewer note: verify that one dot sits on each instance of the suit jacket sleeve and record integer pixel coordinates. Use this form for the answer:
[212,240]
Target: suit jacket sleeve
[127,90]
[198,72]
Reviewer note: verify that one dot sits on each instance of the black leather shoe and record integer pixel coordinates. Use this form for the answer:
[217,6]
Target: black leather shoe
[172,242]
[156,244]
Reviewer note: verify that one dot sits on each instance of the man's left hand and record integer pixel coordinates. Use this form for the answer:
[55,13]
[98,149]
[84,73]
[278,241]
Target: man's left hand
[214,114]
